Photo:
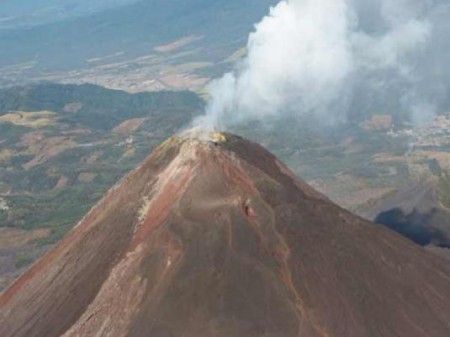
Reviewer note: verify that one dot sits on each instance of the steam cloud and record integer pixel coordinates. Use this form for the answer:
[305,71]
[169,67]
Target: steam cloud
[337,59]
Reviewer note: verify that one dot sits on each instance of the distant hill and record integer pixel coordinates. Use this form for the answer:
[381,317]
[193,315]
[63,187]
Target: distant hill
[419,212]
[98,108]
[28,13]
[134,30]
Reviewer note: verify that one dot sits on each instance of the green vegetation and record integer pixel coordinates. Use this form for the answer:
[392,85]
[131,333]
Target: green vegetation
[92,106]
[52,175]
[22,260]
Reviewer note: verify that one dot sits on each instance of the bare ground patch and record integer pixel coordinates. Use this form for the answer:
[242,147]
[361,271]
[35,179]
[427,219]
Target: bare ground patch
[14,238]
[129,126]
[37,119]
[177,44]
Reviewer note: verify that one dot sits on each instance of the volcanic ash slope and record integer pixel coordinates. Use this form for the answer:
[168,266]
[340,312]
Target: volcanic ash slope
[220,239]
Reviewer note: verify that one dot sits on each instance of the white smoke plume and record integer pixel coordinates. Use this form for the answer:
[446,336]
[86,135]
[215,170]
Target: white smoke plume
[334,59]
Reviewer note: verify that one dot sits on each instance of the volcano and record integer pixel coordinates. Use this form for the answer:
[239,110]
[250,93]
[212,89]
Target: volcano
[217,238]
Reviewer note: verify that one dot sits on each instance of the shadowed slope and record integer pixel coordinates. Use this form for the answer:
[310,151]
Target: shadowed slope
[221,239]
[417,212]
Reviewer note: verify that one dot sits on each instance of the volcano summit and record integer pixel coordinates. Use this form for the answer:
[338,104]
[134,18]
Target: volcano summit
[220,239]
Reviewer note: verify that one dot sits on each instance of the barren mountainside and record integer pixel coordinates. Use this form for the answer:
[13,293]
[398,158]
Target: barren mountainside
[219,238]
